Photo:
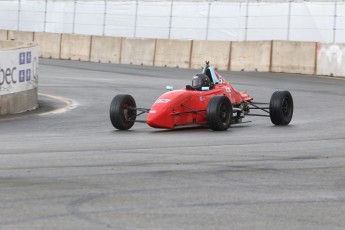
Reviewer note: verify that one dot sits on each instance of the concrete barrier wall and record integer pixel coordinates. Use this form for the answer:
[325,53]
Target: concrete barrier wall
[18,102]
[105,49]
[265,56]
[3,34]
[8,45]
[250,56]
[173,53]
[331,60]
[217,52]
[18,77]
[294,57]
[75,47]
[138,51]
[49,44]
[20,35]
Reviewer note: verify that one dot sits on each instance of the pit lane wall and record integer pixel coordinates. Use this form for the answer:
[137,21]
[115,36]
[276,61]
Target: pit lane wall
[262,56]
[18,77]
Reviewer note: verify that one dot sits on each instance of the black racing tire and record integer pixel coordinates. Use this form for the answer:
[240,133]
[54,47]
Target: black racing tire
[281,108]
[219,113]
[121,116]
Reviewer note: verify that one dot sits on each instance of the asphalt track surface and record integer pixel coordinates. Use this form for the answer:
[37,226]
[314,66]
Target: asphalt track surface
[65,167]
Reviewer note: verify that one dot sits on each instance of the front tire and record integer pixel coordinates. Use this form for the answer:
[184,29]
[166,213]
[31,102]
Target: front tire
[122,114]
[219,113]
[281,108]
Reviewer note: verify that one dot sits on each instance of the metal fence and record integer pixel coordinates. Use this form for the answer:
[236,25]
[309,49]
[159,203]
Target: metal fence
[322,21]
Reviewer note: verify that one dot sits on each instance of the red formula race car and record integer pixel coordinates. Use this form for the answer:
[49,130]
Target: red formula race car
[210,102]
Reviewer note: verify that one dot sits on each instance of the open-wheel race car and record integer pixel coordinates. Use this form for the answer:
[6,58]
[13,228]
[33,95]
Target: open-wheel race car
[209,102]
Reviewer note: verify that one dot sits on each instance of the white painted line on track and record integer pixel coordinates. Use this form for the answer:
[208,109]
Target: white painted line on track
[69,104]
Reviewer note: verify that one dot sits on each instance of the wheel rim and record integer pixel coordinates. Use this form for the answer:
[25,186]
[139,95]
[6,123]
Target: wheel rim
[223,113]
[128,113]
[286,108]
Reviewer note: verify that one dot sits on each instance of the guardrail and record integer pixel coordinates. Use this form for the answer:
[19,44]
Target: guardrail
[18,77]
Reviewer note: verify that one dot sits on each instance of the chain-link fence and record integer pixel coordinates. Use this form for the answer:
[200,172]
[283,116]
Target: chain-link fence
[322,21]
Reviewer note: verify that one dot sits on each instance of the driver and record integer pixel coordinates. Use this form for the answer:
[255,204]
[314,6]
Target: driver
[201,80]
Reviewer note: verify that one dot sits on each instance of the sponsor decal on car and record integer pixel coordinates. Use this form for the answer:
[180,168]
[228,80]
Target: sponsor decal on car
[162,101]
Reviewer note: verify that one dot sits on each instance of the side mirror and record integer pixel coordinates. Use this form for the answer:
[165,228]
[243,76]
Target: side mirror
[169,88]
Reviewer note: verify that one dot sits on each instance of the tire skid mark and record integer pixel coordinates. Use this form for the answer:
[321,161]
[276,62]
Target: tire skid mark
[74,208]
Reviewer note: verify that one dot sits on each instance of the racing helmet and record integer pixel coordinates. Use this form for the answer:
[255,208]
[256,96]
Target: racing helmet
[201,80]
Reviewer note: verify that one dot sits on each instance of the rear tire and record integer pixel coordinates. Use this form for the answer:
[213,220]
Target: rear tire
[219,113]
[122,116]
[281,108]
